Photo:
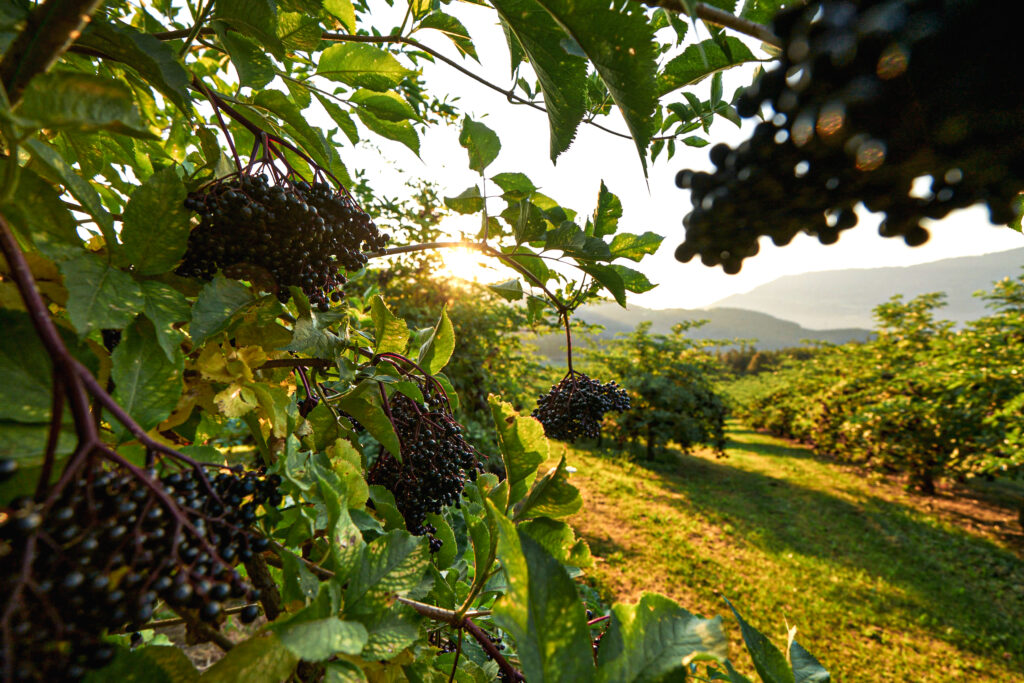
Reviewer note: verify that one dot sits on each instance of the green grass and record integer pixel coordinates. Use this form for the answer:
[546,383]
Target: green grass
[879,589]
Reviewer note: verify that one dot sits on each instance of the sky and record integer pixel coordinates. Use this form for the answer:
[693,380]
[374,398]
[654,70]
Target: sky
[651,204]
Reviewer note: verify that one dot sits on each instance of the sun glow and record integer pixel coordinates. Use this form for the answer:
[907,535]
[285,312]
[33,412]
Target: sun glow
[468,264]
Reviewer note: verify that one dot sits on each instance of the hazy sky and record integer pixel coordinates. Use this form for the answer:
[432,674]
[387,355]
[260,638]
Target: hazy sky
[655,204]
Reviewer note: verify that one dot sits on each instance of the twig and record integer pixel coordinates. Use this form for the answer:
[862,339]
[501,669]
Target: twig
[50,30]
[270,596]
[719,17]
[178,621]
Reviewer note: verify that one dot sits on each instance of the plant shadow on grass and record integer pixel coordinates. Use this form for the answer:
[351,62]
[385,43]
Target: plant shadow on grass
[962,589]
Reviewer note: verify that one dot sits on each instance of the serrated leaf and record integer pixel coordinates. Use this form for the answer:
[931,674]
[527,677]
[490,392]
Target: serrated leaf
[344,11]
[218,303]
[768,660]
[391,632]
[253,65]
[551,496]
[510,290]
[654,639]
[453,29]
[387,106]
[699,61]
[150,664]
[514,185]
[694,141]
[762,11]
[99,295]
[619,42]
[81,102]
[254,18]
[633,280]
[78,186]
[299,31]
[562,76]
[361,66]
[480,142]
[392,565]
[345,122]
[449,551]
[371,416]
[468,201]
[559,540]
[321,639]
[154,60]
[155,231]
[399,131]
[541,610]
[37,213]
[391,334]
[608,278]
[437,350]
[343,672]
[635,247]
[260,659]
[297,124]
[147,383]
[607,213]
[523,446]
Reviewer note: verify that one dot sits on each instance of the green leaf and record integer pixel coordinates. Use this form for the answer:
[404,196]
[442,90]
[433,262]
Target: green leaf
[453,29]
[156,224]
[635,247]
[78,186]
[762,11]
[260,659]
[514,185]
[37,213]
[153,59]
[806,668]
[391,632]
[468,201]
[562,76]
[313,141]
[552,496]
[620,43]
[81,102]
[481,142]
[559,540]
[150,664]
[437,350]
[633,280]
[99,295]
[386,508]
[654,639]
[313,336]
[343,11]
[609,278]
[218,303]
[510,290]
[253,65]
[391,334]
[146,383]
[541,610]
[254,18]
[523,446]
[299,31]
[387,106]
[392,565]
[699,61]
[165,306]
[361,66]
[607,213]
[321,639]
[371,415]
[26,371]
[345,122]
[400,131]
[449,551]
[342,671]
[770,663]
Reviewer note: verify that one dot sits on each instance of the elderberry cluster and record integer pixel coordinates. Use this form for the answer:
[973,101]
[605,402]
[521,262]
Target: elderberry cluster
[296,233]
[575,406]
[868,97]
[436,460]
[109,549]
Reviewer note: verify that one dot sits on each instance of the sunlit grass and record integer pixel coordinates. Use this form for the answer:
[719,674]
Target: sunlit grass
[878,589]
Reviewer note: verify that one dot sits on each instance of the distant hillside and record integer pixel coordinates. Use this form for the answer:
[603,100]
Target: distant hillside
[724,323]
[845,298]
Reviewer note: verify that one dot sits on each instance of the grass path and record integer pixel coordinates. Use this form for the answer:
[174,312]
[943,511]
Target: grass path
[880,587]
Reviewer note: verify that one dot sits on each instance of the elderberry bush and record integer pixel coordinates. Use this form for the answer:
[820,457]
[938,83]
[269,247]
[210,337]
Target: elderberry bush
[436,460]
[868,97]
[104,553]
[294,233]
[575,407]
